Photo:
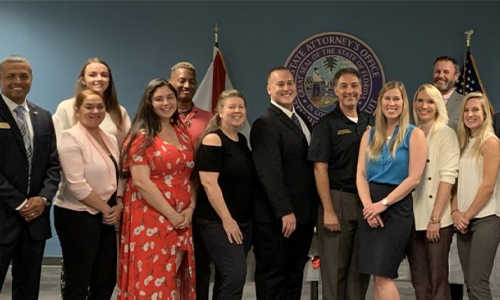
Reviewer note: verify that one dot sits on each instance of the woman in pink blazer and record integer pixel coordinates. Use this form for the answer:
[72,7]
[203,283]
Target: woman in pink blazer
[90,204]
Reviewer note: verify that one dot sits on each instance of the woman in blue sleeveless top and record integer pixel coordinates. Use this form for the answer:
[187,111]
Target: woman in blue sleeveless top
[391,161]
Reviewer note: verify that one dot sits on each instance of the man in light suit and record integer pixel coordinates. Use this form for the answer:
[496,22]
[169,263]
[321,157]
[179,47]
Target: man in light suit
[29,176]
[445,76]
[286,215]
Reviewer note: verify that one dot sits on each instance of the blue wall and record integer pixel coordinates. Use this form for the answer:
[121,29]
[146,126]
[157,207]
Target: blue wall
[142,40]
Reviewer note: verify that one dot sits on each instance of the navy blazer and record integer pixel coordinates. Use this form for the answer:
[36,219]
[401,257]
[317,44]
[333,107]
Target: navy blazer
[14,172]
[279,151]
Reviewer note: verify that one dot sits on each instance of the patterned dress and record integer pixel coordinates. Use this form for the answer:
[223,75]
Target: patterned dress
[149,243]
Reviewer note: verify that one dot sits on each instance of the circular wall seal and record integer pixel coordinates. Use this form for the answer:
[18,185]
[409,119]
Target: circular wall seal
[316,60]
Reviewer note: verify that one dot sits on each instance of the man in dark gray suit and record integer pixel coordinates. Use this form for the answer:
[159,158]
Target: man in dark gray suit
[29,176]
[445,76]
[286,215]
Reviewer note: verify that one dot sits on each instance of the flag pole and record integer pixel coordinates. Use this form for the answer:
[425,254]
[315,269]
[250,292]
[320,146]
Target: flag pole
[216,34]
[468,34]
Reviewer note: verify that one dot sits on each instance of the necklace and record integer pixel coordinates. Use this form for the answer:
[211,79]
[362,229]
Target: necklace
[389,137]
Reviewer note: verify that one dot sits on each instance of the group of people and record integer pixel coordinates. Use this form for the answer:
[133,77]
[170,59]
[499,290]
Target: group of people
[390,189]
[184,189]
[104,172]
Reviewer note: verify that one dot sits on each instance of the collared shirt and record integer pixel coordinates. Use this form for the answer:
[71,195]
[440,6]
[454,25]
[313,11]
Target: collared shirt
[13,105]
[448,95]
[335,140]
[289,113]
[196,121]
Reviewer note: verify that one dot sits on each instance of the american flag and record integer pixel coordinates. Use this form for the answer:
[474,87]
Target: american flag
[469,80]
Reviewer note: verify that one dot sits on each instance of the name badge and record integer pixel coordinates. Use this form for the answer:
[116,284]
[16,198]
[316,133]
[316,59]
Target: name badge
[4,125]
[343,131]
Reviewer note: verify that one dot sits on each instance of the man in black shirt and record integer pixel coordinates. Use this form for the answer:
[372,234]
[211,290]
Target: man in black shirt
[334,149]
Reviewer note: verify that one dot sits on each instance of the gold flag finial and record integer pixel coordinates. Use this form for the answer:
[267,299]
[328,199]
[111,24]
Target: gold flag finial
[469,33]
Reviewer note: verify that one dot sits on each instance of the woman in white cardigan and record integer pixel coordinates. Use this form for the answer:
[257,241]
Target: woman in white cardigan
[89,203]
[95,75]
[432,234]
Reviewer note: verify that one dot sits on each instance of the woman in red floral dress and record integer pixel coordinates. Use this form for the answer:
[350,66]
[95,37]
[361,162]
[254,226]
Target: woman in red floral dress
[156,247]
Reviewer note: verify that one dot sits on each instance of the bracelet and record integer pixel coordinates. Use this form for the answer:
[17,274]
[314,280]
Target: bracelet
[434,220]
[454,210]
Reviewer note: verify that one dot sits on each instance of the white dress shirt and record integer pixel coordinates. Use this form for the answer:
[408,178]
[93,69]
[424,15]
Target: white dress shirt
[13,105]
[289,113]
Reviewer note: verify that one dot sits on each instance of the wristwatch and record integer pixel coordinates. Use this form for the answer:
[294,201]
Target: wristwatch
[434,220]
[385,202]
[46,202]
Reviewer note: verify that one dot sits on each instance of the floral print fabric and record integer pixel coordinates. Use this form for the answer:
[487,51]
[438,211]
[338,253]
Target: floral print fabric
[148,241]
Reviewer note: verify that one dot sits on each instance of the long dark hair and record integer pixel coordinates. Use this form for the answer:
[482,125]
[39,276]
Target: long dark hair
[146,121]
[109,96]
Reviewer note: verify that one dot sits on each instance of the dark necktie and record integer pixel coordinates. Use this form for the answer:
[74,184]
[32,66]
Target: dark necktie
[296,121]
[23,127]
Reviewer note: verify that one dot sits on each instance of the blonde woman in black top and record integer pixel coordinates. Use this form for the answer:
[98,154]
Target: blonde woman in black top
[223,216]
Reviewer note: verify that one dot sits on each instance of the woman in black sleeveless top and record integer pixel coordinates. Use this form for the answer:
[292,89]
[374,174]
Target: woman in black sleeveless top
[223,216]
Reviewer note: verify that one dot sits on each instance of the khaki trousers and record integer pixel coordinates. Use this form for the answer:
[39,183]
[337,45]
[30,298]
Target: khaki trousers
[338,251]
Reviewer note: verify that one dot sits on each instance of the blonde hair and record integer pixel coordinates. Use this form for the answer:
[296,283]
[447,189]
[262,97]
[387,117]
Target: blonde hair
[379,137]
[215,122]
[464,133]
[441,117]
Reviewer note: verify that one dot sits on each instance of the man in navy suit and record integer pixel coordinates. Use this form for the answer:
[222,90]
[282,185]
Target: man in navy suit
[29,176]
[285,217]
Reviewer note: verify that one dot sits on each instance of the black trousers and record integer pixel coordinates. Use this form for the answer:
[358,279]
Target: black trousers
[26,256]
[89,255]
[203,264]
[279,260]
[229,259]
